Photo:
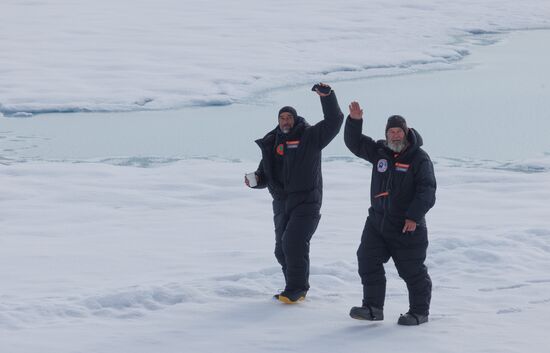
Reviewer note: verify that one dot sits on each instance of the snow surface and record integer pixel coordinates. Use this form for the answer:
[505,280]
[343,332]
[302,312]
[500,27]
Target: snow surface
[167,255]
[177,257]
[122,55]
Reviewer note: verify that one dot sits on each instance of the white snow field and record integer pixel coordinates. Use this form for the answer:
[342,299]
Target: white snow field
[125,55]
[178,258]
[115,252]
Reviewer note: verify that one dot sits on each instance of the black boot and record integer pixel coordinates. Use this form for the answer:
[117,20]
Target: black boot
[291,296]
[412,319]
[368,312]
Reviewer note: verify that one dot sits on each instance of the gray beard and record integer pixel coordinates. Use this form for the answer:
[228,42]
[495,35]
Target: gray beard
[397,147]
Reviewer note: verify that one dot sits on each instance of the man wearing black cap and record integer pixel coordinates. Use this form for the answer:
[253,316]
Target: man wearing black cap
[402,191]
[291,170]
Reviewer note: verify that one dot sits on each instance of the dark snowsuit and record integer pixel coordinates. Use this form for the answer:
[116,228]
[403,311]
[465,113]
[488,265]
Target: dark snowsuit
[291,170]
[402,187]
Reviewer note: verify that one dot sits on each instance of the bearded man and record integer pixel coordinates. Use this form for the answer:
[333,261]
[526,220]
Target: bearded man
[402,191]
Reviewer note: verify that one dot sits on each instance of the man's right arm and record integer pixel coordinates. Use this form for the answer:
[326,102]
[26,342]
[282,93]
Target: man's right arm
[360,145]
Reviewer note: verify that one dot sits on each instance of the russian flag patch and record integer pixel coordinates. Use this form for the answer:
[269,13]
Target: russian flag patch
[401,167]
[293,144]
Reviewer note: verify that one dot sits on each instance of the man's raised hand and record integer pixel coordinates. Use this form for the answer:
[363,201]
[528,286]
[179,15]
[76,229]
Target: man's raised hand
[322,89]
[355,111]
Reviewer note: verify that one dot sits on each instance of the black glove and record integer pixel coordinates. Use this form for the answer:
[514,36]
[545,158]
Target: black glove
[324,89]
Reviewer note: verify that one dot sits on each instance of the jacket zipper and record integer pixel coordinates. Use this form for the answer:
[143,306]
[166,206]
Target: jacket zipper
[386,200]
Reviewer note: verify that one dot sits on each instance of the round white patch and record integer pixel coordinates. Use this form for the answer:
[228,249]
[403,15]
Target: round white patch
[382,165]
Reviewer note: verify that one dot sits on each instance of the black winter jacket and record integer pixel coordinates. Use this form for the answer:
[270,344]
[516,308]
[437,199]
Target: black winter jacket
[402,187]
[301,148]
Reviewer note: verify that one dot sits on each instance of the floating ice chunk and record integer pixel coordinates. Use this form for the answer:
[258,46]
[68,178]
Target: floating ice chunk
[22,115]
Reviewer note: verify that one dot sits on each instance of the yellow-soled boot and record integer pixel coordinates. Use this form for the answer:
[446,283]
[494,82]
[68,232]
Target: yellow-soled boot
[291,297]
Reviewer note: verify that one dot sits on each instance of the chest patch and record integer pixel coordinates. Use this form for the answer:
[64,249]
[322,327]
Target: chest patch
[280,149]
[401,167]
[382,165]
[293,144]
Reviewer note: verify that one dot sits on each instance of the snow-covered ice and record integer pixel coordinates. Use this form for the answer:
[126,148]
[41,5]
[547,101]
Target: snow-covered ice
[122,55]
[101,252]
[177,257]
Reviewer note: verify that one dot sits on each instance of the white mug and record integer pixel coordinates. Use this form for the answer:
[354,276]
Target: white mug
[251,177]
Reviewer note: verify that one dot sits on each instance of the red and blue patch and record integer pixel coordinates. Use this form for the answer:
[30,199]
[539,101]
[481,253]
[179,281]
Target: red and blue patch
[293,144]
[401,167]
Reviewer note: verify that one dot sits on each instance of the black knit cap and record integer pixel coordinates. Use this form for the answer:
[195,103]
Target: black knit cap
[397,121]
[288,109]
